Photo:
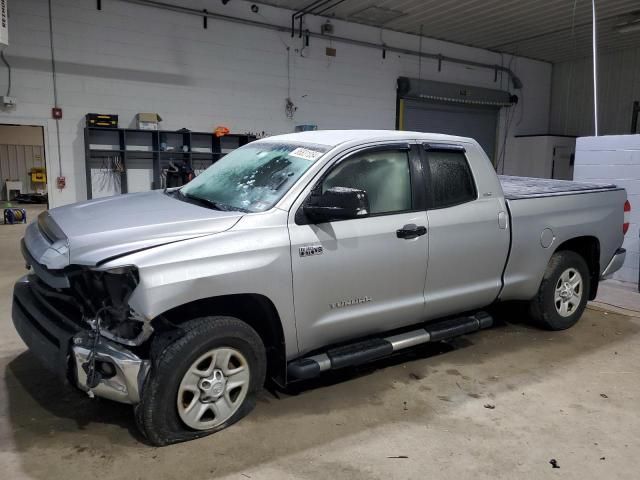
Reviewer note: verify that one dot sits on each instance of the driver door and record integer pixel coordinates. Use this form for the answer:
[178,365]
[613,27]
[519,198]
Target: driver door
[361,276]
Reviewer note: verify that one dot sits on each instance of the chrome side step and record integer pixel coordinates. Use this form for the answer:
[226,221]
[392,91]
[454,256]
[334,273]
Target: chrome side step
[375,348]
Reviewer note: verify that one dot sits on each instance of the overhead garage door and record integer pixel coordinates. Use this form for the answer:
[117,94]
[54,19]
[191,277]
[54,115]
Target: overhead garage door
[437,107]
[467,121]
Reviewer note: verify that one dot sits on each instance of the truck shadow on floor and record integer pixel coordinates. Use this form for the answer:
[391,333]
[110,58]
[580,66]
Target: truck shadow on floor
[61,423]
[43,405]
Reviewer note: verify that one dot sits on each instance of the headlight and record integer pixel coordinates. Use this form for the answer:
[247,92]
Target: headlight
[116,284]
[109,290]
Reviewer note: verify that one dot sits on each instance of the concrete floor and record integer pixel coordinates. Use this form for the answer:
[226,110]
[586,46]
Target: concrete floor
[498,404]
[619,297]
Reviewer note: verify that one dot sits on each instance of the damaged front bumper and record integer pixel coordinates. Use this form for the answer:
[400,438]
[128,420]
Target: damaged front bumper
[64,347]
[122,373]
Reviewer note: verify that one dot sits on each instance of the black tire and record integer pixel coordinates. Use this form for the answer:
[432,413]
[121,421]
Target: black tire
[542,307]
[157,414]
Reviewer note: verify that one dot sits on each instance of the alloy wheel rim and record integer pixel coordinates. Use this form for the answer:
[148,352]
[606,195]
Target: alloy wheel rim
[568,292]
[213,388]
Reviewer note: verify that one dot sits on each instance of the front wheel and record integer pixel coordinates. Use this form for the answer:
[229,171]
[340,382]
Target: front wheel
[202,382]
[563,292]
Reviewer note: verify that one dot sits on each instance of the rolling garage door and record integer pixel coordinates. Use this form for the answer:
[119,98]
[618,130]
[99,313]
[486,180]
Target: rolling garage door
[428,106]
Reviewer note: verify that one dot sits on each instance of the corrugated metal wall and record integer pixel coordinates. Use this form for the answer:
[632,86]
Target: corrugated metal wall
[572,94]
[16,162]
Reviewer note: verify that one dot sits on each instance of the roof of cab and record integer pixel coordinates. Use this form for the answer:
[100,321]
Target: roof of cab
[333,138]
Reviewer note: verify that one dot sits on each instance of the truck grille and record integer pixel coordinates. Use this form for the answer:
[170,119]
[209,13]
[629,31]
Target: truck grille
[57,304]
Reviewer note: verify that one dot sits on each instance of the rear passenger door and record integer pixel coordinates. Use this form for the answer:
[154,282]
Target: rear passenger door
[468,235]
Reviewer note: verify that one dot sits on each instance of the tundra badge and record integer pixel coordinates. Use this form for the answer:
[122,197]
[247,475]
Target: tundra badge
[351,301]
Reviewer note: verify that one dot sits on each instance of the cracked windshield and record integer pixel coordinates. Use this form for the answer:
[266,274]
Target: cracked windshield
[252,178]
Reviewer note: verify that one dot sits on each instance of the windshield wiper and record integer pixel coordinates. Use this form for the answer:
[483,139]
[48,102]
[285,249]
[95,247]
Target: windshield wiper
[209,203]
[202,201]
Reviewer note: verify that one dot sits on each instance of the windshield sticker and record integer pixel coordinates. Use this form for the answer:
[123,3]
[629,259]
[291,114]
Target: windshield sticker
[306,153]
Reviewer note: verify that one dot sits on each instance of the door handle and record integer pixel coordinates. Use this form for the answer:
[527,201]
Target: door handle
[411,231]
[502,220]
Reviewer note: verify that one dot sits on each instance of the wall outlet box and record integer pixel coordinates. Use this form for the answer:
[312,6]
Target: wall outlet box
[326,28]
[8,101]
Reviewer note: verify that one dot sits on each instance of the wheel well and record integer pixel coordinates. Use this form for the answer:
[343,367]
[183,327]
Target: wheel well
[589,249]
[255,310]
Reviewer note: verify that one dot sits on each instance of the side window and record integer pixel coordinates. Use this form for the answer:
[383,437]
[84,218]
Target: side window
[451,179]
[384,175]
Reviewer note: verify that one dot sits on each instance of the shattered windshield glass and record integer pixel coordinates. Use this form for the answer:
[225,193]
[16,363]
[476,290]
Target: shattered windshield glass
[254,177]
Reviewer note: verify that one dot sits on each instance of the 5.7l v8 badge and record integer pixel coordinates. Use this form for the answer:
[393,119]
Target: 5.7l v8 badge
[310,250]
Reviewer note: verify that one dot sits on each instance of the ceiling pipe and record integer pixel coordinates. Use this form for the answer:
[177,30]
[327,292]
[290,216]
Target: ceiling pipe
[515,80]
[595,65]
[330,7]
[302,12]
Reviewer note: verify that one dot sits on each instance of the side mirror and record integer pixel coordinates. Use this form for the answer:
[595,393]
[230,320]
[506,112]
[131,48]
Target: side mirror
[337,203]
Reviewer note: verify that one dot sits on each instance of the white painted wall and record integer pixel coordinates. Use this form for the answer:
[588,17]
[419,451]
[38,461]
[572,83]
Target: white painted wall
[615,159]
[572,94]
[128,58]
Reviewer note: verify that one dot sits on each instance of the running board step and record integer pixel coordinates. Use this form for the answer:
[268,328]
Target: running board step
[366,351]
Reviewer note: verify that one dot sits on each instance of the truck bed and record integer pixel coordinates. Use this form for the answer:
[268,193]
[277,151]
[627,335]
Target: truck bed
[516,188]
[552,212]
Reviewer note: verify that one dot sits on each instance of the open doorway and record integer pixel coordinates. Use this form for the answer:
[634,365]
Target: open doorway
[23,171]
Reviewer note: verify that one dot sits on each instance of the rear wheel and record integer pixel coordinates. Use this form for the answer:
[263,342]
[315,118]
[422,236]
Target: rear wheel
[202,382]
[563,292]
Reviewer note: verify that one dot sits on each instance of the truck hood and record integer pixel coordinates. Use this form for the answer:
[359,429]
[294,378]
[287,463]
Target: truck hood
[96,230]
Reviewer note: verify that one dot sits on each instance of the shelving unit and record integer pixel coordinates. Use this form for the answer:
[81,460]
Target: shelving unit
[128,158]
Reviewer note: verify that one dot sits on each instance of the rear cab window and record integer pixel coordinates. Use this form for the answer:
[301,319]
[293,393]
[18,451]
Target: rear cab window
[450,179]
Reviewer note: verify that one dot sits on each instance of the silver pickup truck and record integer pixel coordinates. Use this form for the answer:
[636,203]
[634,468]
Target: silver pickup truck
[295,255]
